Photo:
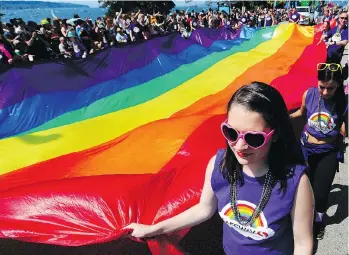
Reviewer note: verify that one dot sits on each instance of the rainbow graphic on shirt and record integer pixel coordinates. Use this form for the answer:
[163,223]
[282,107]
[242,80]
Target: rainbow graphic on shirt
[324,124]
[246,212]
[258,230]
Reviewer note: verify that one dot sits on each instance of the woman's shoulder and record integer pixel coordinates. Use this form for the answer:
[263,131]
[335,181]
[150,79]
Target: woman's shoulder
[311,91]
[217,179]
[220,153]
[308,94]
[217,158]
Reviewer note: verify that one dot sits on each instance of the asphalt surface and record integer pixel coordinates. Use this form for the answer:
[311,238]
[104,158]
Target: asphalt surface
[335,241]
[206,239]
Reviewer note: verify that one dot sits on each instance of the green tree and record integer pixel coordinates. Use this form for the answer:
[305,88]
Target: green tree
[250,4]
[279,4]
[134,6]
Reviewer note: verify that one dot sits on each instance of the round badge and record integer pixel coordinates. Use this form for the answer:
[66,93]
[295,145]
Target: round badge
[336,37]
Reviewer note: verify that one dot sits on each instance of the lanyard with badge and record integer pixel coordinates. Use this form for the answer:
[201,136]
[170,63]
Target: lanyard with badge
[337,36]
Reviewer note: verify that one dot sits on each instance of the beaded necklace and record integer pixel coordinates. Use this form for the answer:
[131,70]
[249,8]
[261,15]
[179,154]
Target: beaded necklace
[266,193]
[319,114]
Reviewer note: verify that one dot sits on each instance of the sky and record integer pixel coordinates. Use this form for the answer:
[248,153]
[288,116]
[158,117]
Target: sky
[90,3]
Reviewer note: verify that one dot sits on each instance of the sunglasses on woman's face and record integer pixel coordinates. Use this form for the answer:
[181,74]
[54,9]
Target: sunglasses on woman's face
[253,139]
[345,18]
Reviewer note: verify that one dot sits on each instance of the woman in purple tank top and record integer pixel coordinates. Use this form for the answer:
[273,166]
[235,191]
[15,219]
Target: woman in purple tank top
[257,183]
[325,108]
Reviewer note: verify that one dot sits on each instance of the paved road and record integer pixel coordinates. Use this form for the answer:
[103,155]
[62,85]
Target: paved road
[335,241]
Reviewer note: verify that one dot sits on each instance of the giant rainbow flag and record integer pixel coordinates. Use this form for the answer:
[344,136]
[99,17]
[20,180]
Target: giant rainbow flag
[89,146]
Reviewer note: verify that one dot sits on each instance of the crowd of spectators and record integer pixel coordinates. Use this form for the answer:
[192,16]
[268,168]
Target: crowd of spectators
[78,38]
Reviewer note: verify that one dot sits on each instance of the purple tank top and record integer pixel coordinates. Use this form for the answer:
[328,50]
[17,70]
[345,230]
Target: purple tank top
[329,124]
[268,21]
[271,233]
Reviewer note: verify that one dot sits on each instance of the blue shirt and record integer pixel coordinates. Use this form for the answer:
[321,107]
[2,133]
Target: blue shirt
[295,17]
[337,50]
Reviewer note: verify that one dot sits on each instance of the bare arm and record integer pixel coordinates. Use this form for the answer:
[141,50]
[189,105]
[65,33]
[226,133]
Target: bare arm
[343,43]
[302,215]
[302,110]
[340,43]
[323,37]
[119,14]
[195,215]
[343,131]
[31,40]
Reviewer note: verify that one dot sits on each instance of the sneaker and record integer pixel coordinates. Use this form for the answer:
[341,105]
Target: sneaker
[319,230]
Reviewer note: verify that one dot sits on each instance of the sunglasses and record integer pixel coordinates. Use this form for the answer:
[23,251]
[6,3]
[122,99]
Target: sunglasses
[331,66]
[253,139]
[346,18]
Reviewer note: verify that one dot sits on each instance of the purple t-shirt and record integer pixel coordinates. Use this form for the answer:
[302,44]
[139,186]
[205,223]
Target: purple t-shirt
[337,50]
[327,18]
[329,125]
[271,233]
[295,16]
[244,20]
[268,21]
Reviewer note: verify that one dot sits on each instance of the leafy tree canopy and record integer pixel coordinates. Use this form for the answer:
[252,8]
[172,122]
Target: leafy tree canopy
[134,6]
